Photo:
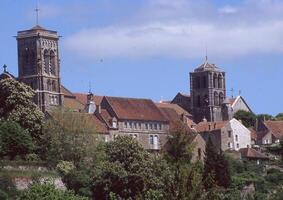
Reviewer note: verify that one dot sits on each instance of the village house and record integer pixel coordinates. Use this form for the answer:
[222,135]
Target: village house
[269,132]
[225,135]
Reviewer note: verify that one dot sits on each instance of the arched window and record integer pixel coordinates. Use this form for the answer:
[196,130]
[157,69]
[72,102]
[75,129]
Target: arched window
[215,81]
[46,61]
[216,99]
[49,85]
[53,85]
[52,63]
[197,82]
[198,101]
[221,98]
[220,79]
[204,82]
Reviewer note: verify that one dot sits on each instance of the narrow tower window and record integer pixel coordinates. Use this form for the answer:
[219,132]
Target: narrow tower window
[46,62]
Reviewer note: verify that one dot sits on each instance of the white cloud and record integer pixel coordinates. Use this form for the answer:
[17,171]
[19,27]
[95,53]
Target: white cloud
[185,35]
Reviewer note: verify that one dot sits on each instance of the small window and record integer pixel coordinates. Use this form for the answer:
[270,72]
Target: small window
[229,145]
[229,134]
[237,145]
[114,124]
[139,125]
[160,127]
[125,124]
[155,126]
[150,126]
[131,125]
[135,125]
[151,140]
[236,137]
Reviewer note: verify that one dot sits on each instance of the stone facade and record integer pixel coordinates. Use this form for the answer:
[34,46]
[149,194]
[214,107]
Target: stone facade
[208,92]
[39,65]
[227,135]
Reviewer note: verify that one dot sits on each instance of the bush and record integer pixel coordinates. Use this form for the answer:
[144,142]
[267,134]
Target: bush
[14,141]
[48,192]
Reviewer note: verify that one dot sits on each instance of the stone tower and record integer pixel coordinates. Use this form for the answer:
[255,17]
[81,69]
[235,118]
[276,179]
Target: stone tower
[207,92]
[39,65]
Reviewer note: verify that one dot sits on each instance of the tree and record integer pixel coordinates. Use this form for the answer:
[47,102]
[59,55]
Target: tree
[216,168]
[48,192]
[265,117]
[279,116]
[16,105]
[247,118]
[14,140]
[126,172]
[69,136]
[184,181]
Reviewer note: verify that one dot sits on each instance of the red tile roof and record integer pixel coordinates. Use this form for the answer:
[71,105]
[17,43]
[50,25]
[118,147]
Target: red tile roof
[175,107]
[66,92]
[253,134]
[210,126]
[252,153]
[101,127]
[135,109]
[83,98]
[276,127]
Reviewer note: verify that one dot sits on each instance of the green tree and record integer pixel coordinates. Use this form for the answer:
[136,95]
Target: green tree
[14,140]
[69,136]
[279,116]
[216,168]
[247,118]
[48,192]
[184,181]
[16,105]
[265,116]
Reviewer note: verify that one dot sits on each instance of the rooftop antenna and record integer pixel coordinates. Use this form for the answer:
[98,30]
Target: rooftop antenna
[89,91]
[37,12]
[240,92]
[206,58]
[232,91]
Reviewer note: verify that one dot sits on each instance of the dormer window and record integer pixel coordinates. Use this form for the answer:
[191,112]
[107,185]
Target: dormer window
[114,123]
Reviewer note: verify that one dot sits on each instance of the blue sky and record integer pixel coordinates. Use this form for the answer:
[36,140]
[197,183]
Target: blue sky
[146,48]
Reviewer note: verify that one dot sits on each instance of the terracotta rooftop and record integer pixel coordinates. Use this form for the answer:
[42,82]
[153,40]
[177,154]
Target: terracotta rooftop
[253,134]
[135,109]
[101,127]
[81,97]
[276,127]
[210,126]
[175,107]
[252,153]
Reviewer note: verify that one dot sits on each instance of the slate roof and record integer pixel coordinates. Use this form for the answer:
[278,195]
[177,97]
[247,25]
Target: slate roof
[135,109]
[276,127]
[252,154]
[207,67]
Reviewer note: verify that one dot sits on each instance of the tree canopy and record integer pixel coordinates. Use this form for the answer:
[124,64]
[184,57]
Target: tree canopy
[16,105]
[247,118]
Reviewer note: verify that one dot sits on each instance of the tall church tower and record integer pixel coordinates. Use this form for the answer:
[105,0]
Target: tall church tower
[39,65]
[208,92]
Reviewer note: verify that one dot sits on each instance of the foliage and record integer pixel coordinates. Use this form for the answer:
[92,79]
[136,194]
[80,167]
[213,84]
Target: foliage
[7,188]
[68,136]
[184,179]
[14,141]
[265,117]
[48,192]
[247,118]
[216,168]
[16,105]
[279,116]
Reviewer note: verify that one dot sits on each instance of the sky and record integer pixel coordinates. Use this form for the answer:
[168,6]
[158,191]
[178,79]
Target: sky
[146,48]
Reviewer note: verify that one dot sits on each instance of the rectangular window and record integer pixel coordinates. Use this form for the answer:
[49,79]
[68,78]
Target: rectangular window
[150,126]
[125,125]
[131,125]
[155,142]
[229,134]
[151,139]
[146,126]
[237,145]
[236,137]
[135,125]
[139,125]
[155,126]
[160,127]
